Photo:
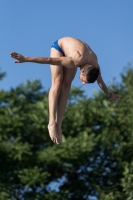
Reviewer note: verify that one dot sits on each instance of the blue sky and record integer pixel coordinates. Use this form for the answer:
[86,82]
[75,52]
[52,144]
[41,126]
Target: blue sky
[30,27]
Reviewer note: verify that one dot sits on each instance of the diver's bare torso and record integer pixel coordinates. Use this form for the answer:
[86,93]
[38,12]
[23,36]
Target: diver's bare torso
[77,49]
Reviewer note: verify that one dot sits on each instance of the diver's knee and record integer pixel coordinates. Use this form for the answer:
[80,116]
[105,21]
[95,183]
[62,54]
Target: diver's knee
[66,85]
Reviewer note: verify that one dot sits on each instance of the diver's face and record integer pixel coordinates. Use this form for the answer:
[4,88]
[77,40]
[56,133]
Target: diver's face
[83,79]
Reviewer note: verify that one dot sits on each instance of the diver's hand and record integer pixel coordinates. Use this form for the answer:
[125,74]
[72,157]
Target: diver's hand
[19,58]
[113,97]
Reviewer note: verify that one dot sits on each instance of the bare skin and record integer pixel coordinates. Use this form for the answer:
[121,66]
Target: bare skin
[58,95]
[63,69]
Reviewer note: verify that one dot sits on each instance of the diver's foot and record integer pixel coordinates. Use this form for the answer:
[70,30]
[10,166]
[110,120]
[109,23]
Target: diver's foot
[54,134]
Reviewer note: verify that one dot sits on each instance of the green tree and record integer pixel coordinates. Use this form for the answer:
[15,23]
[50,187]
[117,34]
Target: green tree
[95,158]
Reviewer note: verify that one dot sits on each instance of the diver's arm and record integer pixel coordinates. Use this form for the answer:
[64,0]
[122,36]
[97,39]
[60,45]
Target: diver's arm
[103,86]
[61,61]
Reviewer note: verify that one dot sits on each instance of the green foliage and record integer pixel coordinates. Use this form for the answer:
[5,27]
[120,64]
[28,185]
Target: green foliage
[95,158]
[2,74]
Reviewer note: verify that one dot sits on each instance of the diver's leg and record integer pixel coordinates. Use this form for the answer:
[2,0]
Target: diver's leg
[68,76]
[57,77]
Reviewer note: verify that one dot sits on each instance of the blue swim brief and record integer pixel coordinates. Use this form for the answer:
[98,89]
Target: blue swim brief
[57,47]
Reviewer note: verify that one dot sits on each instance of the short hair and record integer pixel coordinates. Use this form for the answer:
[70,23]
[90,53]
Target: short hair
[91,72]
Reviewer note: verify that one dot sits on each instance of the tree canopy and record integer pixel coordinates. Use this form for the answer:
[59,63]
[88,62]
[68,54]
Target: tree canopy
[95,158]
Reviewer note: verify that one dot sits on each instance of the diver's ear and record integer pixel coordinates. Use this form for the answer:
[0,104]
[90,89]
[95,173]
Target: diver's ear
[82,71]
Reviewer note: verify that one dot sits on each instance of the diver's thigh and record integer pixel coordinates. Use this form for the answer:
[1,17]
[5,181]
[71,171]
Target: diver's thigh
[68,75]
[56,70]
